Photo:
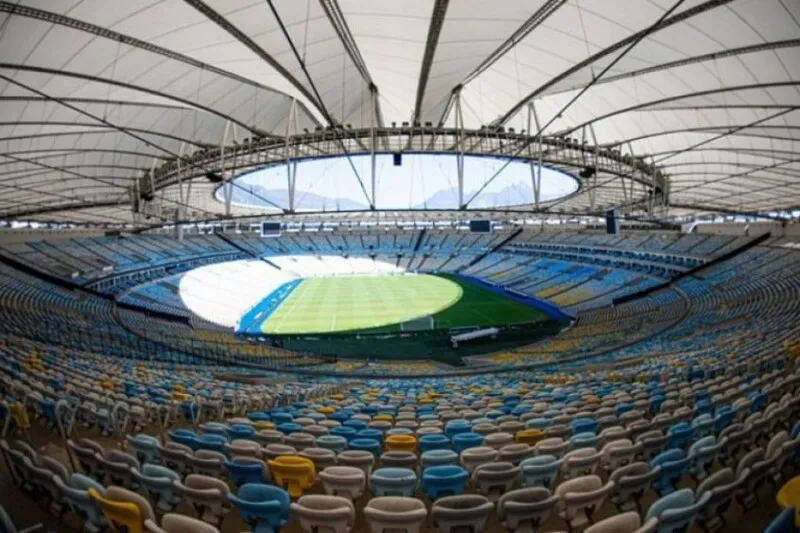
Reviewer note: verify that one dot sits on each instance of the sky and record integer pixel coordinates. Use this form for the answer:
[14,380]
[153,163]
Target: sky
[423,180]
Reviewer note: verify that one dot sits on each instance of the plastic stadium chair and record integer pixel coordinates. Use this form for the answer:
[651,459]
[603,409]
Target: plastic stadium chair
[679,436]
[7,525]
[207,495]
[400,443]
[174,456]
[243,448]
[240,431]
[370,445]
[529,436]
[358,458]
[263,507]
[722,485]
[323,512]
[472,457]
[123,510]
[293,473]
[462,441]
[399,459]
[433,442]
[784,522]
[673,465]
[789,496]
[525,509]
[75,492]
[177,523]
[395,513]
[580,498]
[322,457]
[702,454]
[631,482]
[438,458]
[157,481]
[495,479]
[244,470]
[676,511]
[554,446]
[446,480]
[454,427]
[540,471]
[465,512]
[629,522]
[119,466]
[336,443]
[393,482]
[145,448]
[581,462]
[347,481]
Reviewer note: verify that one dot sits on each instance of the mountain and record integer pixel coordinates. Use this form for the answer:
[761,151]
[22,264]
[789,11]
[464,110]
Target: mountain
[514,194]
[303,201]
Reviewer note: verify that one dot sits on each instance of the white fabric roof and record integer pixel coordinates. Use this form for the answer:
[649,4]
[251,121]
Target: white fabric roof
[93,93]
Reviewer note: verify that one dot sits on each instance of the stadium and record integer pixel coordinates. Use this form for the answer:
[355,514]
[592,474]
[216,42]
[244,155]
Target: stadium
[433,265]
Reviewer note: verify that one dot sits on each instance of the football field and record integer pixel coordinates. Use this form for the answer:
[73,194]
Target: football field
[353,303]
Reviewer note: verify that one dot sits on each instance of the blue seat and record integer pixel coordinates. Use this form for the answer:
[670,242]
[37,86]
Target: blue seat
[446,480]
[583,425]
[212,442]
[454,427]
[145,448]
[540,471]
[702,455]
[622,408]
[75,492]
[244,470]
[702,426]
[369,433]
[263,507]
[344,431]
[438,458]
[282,418]
[158,482]
[370,445]
[676,512]
[678,436]
[783,523]
[583,440]
[433,442]
[336,443]
[355,424]
[259,416]
[673,465]
[702,407]
[290,427]
[463,441]
[393,482]
[48,410]
[723,418]
[655,403]
[214,428]
[241,431]
[538,423]
[185,437]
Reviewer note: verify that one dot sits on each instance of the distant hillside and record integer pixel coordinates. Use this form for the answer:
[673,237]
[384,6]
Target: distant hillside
[517,193]
[303,201]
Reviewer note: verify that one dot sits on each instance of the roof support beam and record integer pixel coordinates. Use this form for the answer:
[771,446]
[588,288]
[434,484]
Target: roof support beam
[435,28]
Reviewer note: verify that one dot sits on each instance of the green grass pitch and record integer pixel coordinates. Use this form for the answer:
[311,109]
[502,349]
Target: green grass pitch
[353,303]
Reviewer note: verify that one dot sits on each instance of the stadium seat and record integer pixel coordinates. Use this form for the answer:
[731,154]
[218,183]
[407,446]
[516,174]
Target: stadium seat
[293,473]
[263,507]
[393,481]
[207,495]
[395,513]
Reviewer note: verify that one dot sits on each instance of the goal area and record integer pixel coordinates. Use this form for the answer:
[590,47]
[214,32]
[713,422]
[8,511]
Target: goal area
[423,323]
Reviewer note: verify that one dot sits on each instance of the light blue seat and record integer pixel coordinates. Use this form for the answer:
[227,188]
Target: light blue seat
[157,482]
[212,441]
[437,458]
[538,423]
[583,425]
[370,433]
[185,437]
[446,480]
[282,418]
[336,443]
[400,431]
[723,418]
[393,482]
[347,432]
[214,428]
[76,494]
[702,454]
[783,523]
[290,427]
[244,470]
[433,442]
[370,445]
[702,426]
[463,441]
[454,427]
[356,424]
[583,440]
[145,448]
[540,471]
[263,507]
[259,416]
[673,465]
[678,436]
[676,512]
[241,431]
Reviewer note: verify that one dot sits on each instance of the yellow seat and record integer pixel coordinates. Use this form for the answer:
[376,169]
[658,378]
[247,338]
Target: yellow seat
[326,410]
[125,511]
[401,443]
[529,436]
[263,424]
[337,397]
[294,473]
[178,388]
[383,416]
[20,415]
[790,495]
